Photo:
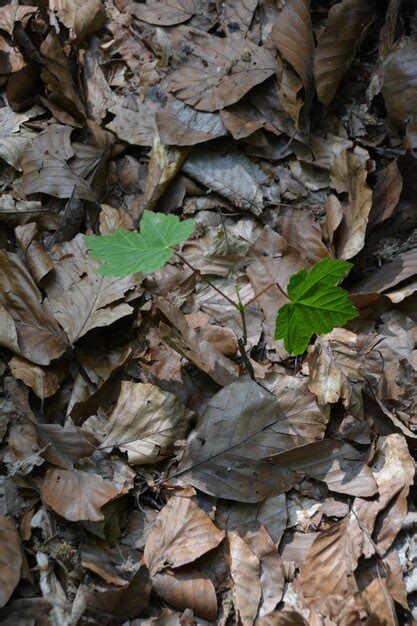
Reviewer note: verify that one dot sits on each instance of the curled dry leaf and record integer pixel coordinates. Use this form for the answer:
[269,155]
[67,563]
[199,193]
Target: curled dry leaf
[10,558]
[88,493]
[164,164]
[187,588]
[145,423]
[28,328]
[386,194]
[350,169]
[404,266]
[346,27]
[219,72]
[181,534]
[293,36]
[327,569]
[44,382]
[81,17]
[80,298]
[245,572]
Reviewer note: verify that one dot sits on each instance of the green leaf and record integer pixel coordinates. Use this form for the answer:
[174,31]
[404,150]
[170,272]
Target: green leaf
[316,304]
[126,252]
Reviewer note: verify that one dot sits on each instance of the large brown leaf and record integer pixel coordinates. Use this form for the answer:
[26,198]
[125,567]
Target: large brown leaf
[76,495]
[181,125]
[245,572]
[80,298]
[167,13]
[181,534]
[27,326]
[145,423]
[242,425]
[382,280]
[293,36]
[346,27]
[386,194]
[220,71]
[10,558]
[187,588]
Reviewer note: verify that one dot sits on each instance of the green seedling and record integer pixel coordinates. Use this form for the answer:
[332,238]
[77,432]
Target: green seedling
[316,303]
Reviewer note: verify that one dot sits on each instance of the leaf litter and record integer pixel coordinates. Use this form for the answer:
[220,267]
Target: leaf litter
[161,463]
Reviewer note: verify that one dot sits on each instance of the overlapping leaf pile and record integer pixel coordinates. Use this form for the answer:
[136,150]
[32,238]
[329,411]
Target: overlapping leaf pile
[146,477]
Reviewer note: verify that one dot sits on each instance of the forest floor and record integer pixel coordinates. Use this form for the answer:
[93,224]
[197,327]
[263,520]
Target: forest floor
[160,464]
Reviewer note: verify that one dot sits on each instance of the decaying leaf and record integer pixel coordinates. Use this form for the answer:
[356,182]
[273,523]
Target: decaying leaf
[245,572]
[81,17]
[182,533]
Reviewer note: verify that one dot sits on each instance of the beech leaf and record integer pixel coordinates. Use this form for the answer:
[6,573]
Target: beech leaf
[316,305]
[126,252]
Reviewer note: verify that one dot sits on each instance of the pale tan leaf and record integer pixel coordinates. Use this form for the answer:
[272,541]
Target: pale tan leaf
[134,121]
[10,558]
[187,588]
[245,571]
[181,534]
[80,298]
[145,423]
[345,29]
[164,164]
[219,72]
[350,168]
[167,13]
[76,495]
[293,36]
[81,17]
[12,13]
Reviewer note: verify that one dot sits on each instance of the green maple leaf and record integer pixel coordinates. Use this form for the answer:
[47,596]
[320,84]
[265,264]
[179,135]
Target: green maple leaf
[126,252]
[317,304]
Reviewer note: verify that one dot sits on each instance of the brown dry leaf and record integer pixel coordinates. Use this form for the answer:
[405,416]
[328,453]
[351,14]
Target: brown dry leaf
[145,423]
[184,340]
[339,366]
[349,168]
[219,72]
[45,167]
[80,298]
[167,13]
[245,572]
[10,558]
[187,588]
[56,75]
[271,572]
[242,425]
[27,327]
[181,125]
[386,194]
[336,463]
[376,597]
[181,534]
[327,569]
[293,36]
[230,174]
[248,518]
[134,121]
[393,469]
[346,27]
[164,164]
[404,266]
[76,495]
[44,382]
[399,87]
[390,28]
[282,618]
[81,17]
[240,13]
[65,445]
